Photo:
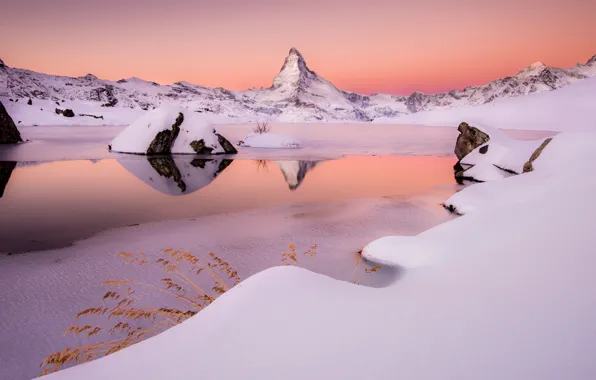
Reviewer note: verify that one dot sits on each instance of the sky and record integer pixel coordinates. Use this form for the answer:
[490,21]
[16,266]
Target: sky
[387,46]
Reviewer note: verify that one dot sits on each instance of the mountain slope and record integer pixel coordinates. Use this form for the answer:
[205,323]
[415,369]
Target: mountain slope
[297,94]
[571,108]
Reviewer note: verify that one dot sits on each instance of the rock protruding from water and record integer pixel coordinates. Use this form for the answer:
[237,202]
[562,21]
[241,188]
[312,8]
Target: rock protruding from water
[68,113]
[226,145]
[9,134]
[164,140]
[469,139]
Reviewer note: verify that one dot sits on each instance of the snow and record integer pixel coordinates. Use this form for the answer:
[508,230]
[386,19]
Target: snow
[297,95]
[270,140]
[137,137]
[570,108]
[494,308]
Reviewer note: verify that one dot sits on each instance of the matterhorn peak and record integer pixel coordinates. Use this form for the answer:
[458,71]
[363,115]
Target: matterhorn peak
[294,72]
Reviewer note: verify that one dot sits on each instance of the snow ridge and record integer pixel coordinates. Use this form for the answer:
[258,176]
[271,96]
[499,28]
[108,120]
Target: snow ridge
[297,93]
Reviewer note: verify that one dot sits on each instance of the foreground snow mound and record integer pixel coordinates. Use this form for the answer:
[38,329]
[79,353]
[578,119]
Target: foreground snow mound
[402,251]
[270,140]
[171,130]
[513,291]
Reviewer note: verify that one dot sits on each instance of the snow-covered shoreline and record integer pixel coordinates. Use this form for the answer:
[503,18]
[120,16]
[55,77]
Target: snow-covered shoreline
[502,292]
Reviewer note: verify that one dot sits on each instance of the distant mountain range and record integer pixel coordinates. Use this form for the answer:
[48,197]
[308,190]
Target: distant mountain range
[297,93]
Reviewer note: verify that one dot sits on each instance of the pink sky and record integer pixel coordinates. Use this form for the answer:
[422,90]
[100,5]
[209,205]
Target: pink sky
[390,46]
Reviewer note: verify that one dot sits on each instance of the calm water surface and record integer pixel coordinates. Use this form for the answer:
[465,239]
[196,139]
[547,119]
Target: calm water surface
[50,205]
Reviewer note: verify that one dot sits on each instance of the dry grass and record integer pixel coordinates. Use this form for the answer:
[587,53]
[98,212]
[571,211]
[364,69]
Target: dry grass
[181,270]
[262,128]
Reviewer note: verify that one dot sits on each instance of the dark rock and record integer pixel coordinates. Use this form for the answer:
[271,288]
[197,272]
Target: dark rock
[93,116]
[469,139]
[6,168]
[164,140]
[9,134]
[30,102]
[226,145]
[68,113]
[199,147]
[59,111]
[528,165]
[57,103]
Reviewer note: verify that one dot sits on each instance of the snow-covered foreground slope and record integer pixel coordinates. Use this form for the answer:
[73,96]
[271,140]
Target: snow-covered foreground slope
[572,108]
[297,94]
[504,292]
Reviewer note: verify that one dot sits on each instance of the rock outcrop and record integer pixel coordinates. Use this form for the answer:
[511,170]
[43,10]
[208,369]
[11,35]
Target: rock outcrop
[469,139]
[9,134]
[164,140]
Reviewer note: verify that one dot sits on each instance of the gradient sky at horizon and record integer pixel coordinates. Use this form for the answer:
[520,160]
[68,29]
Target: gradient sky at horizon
[390,46]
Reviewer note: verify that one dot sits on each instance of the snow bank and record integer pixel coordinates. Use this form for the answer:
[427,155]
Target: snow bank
[193,128]
[270,140]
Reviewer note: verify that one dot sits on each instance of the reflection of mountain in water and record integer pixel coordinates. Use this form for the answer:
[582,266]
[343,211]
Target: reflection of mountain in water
[6,168]
[175,175]
[295,171]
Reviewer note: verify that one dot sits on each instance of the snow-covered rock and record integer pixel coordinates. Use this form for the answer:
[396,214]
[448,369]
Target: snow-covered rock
[270,140]
[171,130]
[487,154]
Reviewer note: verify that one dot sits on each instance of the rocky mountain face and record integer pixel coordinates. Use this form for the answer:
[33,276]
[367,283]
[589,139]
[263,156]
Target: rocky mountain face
[297,93]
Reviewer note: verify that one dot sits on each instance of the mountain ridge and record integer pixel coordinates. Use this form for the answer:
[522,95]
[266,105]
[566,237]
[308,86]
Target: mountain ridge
[297,93]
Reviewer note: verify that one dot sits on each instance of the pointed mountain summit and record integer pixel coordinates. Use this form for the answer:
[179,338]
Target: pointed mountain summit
[534,69]
[294,72]
[591,61]
[2,63]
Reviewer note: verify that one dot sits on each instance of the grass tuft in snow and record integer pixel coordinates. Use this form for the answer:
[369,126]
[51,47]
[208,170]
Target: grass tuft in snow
[118,304]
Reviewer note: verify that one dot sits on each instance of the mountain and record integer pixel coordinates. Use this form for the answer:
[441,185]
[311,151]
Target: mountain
[297,93]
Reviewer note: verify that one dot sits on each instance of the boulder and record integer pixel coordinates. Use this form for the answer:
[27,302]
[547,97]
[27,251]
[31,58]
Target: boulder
[9,134]
[469,139]
[164,140]
[68,113]
[171,131]
[30,102]
[226,145]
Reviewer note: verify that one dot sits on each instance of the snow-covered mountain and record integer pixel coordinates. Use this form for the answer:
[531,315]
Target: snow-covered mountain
[297,94]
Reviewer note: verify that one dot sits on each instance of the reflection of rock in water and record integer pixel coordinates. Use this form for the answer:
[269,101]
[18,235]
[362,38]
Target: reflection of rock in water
[173,175]
[6,168]
[166,167]
[295,171]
